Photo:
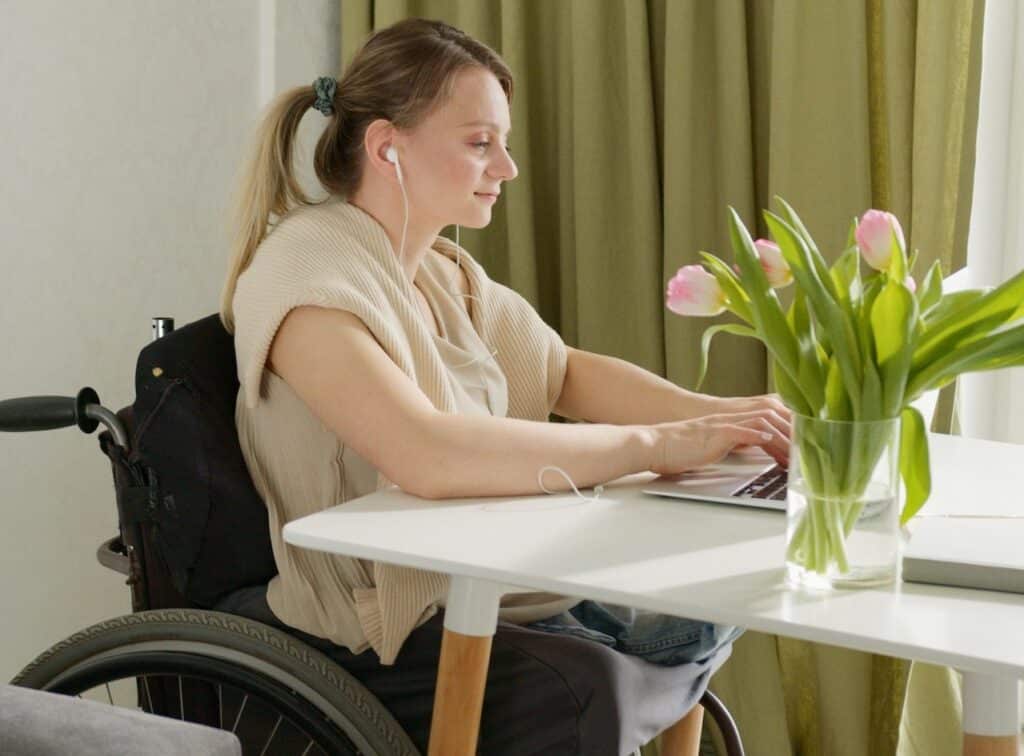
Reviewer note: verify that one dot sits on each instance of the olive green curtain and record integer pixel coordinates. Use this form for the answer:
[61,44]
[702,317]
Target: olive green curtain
[635,124]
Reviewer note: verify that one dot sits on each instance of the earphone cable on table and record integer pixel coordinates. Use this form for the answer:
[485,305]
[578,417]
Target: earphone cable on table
[598,490]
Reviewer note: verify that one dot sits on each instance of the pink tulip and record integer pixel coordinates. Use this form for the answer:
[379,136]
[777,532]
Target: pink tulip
[694,291]
[876,232]
[774,265]
[910,283]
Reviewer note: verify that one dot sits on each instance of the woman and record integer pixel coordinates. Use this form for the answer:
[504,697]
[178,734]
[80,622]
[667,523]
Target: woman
[373,351]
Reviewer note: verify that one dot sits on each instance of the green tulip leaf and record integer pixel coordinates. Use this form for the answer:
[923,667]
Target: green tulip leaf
[979,353]
[871,394]
[836,398]
[790,392]
[814,256]
[739,301]
[898,269]
[835,321]
[705,343]
[930,292]
[915,467]
[955,301]
[945,332]
[846,275]
[865,338]
[851,236]
[893,317]
[955,339]
[768,318]
[813,358]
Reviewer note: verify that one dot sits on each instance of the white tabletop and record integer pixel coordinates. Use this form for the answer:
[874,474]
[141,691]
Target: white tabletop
[708,561]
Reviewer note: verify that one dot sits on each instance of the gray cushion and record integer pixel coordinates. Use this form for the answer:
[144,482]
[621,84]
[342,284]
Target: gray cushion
[34,723]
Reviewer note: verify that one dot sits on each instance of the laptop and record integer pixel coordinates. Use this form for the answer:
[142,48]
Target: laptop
[745,479]
[967,552]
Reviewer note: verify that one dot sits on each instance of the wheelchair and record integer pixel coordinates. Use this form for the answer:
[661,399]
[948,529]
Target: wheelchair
[173,657]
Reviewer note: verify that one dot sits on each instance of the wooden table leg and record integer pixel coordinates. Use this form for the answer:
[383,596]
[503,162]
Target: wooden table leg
[471,617]
[683,738]
[991,715]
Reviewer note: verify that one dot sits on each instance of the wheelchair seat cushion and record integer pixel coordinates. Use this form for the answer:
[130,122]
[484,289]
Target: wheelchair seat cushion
[545,694]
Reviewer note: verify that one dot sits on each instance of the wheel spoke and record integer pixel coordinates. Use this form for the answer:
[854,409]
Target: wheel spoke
[272,734]
[239,668]
[240,710]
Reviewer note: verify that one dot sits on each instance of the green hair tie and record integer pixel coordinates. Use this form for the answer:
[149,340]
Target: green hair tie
[325,87]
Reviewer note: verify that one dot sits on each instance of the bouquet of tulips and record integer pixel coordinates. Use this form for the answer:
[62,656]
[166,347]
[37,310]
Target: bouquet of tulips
[857,343]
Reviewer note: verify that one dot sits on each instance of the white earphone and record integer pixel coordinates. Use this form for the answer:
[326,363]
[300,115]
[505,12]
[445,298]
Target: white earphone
[392,157]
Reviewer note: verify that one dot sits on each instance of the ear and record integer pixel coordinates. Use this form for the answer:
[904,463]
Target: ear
[380,135]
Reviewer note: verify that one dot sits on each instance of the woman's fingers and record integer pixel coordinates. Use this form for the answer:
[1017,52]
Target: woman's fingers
[777,443]
[771,402]
[776,403]
[718,442]
[778,421]
[774,442]
[781,424]
[694,443]
[751,433]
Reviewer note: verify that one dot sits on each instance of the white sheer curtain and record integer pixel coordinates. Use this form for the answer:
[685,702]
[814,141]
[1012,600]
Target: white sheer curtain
[993,403]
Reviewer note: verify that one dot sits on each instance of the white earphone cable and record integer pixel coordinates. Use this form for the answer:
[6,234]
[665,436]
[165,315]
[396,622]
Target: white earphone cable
[492,352]
[405,201]
[598,490]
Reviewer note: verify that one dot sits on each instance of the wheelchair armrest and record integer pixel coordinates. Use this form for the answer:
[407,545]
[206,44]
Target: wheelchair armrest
[112,554]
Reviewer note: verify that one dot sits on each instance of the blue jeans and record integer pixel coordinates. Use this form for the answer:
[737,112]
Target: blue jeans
[658,638]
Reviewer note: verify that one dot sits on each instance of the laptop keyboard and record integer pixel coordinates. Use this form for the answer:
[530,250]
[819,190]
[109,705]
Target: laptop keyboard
[771,484]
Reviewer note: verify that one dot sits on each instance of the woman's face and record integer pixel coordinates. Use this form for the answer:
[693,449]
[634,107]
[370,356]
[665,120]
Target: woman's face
[455,161]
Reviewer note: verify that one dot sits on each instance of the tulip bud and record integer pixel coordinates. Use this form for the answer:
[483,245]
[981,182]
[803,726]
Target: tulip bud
[694,291]
[774,265]
[876,233]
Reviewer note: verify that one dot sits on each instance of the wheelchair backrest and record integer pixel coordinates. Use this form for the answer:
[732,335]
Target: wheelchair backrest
[204,515]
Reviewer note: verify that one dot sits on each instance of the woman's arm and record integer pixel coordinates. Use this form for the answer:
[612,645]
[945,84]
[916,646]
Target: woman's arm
[603,389]
[334,364]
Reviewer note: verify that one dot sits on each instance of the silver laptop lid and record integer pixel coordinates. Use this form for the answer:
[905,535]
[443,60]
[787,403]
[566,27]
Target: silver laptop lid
[715,483]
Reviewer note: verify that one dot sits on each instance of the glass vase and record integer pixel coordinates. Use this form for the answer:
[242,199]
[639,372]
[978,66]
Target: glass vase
[842,507]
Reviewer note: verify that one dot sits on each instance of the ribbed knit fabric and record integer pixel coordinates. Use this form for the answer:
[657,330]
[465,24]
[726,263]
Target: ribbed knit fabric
[336,255]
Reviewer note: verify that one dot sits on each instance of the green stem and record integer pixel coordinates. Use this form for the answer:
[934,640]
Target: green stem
[837,534]
[836,467]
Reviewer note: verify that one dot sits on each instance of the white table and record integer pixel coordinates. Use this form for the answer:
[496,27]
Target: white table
[713,562]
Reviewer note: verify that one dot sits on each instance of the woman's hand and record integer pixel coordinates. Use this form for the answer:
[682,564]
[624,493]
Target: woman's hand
[687,444]
[780,415]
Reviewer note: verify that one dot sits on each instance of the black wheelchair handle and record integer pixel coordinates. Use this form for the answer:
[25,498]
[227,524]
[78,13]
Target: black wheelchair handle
[36,413]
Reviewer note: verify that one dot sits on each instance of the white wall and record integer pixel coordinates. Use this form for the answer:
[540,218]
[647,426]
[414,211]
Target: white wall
[122,126]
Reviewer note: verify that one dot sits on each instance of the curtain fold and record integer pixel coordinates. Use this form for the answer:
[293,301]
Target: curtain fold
[635,125]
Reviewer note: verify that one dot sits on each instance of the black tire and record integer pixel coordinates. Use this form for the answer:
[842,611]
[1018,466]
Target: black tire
[291,679]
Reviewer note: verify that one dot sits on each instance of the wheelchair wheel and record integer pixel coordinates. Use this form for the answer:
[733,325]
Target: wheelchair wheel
[277,694]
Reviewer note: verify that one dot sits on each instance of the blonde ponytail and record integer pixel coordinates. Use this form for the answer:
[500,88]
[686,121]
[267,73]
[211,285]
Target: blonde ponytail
[267,188]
